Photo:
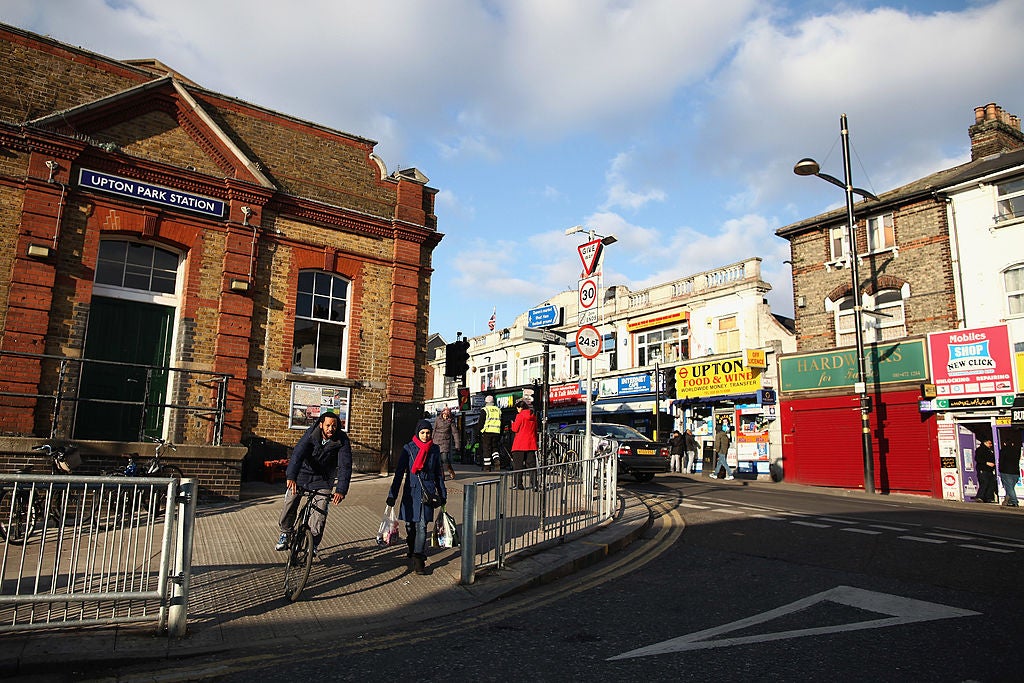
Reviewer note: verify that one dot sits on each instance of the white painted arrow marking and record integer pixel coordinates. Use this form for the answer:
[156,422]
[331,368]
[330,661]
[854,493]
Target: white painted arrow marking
[900,610]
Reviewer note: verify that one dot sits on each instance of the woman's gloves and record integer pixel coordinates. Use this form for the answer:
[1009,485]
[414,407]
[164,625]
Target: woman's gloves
[391,501]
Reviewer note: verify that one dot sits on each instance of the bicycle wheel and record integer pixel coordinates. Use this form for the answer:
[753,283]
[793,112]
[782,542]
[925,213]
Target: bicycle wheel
[79,508]
[17,518]
[168,472]
[300,560]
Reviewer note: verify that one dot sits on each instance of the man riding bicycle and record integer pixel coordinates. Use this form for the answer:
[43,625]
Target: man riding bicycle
[322,455]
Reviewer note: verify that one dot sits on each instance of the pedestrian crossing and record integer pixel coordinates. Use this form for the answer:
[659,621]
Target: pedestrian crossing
[909,533]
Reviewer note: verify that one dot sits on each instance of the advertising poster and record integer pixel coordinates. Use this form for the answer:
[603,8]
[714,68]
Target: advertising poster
[309,400]
[716,378]
[974,362]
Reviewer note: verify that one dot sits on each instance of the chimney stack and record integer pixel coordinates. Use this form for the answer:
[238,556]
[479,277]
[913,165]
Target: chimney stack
[994,132]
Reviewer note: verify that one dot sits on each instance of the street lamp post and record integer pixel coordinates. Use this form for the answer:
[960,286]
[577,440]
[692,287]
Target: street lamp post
[810,167]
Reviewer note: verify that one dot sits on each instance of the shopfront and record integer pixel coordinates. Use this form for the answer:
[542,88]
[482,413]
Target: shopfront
[972,395]
[729,390]
[821,422]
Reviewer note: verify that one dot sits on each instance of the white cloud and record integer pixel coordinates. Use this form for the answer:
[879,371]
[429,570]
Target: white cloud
[619,194]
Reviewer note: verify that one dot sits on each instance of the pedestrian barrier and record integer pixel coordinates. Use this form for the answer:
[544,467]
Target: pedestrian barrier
[555,503]
[80,551]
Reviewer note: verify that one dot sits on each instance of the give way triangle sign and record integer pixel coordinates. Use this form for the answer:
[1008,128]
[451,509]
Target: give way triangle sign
[590,254]
[893,610]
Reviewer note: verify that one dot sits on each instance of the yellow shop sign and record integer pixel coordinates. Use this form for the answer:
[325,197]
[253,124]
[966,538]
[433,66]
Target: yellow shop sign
[717,378]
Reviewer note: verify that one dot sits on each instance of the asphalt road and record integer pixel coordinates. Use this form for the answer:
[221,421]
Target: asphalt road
[731,583]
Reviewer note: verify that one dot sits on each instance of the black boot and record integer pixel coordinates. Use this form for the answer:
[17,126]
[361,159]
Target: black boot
[411,542]
[420,564]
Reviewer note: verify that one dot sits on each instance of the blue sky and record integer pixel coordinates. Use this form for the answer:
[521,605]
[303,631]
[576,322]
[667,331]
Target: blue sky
[673,125]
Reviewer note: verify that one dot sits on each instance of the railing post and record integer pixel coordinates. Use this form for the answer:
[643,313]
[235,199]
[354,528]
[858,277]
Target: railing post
[469,497]
[177,617]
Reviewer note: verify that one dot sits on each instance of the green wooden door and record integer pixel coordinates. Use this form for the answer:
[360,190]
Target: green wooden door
[126,332]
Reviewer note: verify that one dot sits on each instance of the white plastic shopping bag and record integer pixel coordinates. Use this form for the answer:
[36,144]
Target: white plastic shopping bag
[447,532]
[387,534]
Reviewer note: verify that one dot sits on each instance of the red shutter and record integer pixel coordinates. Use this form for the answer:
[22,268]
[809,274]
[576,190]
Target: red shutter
[822,443]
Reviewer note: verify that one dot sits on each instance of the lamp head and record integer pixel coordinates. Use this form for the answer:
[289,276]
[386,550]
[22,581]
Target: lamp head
[807,167]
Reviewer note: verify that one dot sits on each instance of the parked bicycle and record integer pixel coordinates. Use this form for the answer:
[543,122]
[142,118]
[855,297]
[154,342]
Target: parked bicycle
[154,467]
[300,547]
[24,507]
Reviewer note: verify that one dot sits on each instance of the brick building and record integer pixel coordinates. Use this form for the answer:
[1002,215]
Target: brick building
[910,251]
[227,271]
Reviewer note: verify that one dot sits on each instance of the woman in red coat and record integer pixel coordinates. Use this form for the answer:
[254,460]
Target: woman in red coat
[524,445]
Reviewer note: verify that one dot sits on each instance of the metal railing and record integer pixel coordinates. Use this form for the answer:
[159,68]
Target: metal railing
[82,551]
[60,380]
[556,502]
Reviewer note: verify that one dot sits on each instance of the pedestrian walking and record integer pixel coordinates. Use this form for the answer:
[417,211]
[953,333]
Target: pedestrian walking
[418,475]
[446,436]
[320,461]
[524,445]
[675,451]
[490,434]
[985,467]
[690,449]
[722,444]
[1009,471]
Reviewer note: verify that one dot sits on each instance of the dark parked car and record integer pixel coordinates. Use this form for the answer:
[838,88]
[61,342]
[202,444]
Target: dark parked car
[637,455]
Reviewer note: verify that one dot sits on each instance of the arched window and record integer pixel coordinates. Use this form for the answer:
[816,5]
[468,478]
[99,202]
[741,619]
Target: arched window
[321,322]
[883,318]
[131,265]
[1013,284]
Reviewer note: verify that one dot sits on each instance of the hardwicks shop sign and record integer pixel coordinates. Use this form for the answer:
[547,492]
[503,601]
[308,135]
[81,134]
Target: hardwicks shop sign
[902,361]
[165,196]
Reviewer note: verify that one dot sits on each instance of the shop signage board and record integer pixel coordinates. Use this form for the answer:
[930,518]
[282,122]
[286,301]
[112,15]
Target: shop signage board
[565,393]
[902,361]
[755,358]
[949,450]
[972,362]
[717,378]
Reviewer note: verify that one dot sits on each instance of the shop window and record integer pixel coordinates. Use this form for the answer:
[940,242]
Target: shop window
[881,233]
[1013,284]
[727,335]
[1010,200]
[665,345]
[131,265]
[321,322]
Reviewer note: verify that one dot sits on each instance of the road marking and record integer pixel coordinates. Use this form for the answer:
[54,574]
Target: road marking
[836,521]
[1009,545]
[861,531]
[695,507]
[888,528]
[955,537]
[900,611]
[813,524]
[981,547]
[726,511]
[921,540]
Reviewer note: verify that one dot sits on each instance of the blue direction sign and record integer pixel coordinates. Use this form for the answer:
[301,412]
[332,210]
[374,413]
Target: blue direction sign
[542,316]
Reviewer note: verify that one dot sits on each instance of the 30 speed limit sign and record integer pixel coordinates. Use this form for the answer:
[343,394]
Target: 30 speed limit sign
[588,342]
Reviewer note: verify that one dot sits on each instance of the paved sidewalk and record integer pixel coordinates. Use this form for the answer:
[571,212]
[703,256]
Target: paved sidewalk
[354,588]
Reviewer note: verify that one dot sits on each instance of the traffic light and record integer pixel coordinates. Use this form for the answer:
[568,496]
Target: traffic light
[456,358]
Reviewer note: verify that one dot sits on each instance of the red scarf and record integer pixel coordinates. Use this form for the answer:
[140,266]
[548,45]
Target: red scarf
[421,457]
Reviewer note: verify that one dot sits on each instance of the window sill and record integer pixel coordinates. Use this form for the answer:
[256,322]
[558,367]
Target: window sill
[837,264]
[894,250]
[997,224]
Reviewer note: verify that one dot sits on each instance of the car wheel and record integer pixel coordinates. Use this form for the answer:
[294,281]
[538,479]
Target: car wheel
[643,476]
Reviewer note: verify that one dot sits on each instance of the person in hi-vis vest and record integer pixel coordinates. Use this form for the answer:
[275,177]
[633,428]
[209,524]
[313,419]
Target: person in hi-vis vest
[490,433]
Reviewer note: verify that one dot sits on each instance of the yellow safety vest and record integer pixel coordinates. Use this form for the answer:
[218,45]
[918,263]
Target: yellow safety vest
[492,420]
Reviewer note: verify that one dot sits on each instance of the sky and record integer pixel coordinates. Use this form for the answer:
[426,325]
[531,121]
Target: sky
[673,125]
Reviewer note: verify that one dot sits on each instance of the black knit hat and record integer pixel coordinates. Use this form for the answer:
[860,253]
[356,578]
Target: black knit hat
[423,424]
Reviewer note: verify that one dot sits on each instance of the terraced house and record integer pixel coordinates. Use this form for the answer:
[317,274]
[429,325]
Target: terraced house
[176,262]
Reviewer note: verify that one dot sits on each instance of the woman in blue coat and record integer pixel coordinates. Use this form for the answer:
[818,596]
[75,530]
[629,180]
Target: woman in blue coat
[420,467]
